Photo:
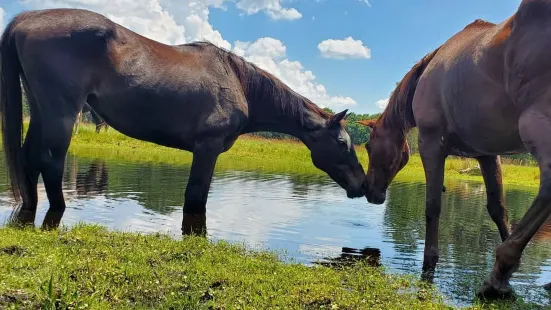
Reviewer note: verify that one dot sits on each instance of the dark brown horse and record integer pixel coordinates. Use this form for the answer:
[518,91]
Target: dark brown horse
[194,97]
[485,92]
[98,121]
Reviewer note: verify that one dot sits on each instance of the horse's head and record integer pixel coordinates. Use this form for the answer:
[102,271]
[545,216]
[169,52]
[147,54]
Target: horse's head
[333,152]
[388,153]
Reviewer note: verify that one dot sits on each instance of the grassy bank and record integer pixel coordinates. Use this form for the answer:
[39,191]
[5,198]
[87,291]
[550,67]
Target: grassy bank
[274,156]
[88,267]
[92,268]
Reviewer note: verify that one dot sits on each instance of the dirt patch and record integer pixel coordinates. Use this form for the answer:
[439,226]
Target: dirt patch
[14,297]
[13,250]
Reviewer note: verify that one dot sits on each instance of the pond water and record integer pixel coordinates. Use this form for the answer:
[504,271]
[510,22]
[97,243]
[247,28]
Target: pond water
[308,217]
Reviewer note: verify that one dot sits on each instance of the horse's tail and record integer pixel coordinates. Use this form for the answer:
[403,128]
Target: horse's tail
[11,109]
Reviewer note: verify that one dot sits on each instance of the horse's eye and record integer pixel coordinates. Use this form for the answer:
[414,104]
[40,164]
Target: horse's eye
[342,143]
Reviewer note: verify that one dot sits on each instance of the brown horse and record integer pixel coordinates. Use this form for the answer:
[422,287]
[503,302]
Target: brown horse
[98,121]
[483,93]
[194,97]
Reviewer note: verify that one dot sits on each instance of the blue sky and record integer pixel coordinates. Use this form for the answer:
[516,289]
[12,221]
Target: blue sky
[397,34]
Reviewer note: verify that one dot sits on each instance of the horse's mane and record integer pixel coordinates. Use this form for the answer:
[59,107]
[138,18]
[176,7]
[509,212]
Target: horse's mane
[262,87]
[399,112]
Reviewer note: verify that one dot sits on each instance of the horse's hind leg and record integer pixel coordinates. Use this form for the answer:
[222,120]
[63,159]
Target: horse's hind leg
[26,214]
[56,138]
[491,171]
[59,111]
[534,124]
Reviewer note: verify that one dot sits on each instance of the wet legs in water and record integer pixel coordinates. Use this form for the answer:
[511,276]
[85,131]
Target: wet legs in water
[204,159]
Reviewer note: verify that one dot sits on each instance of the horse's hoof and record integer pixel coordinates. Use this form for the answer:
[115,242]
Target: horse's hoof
[21,218]
[494,290]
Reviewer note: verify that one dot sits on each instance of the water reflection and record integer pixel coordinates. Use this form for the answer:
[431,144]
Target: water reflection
[308,217]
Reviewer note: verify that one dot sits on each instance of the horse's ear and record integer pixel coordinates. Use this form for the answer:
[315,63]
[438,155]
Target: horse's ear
[368,123]
[337,118]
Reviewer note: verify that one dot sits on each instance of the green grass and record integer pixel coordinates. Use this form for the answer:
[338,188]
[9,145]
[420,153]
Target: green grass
[88,267]
[272,156]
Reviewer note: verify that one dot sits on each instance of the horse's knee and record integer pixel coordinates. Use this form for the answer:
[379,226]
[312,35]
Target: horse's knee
[496,209]
[433,208]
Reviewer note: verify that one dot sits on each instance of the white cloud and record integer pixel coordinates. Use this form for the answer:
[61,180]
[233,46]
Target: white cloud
[268,54]
[180,21]
[342,49]
[366,2]
[2,13]
[167,21]
[382,103]
[272,8]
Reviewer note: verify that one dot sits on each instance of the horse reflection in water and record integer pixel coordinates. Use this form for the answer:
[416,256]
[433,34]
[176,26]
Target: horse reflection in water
[94,180]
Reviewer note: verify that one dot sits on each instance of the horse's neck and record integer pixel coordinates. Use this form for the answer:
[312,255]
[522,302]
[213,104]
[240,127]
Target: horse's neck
[398,130]
[265,117]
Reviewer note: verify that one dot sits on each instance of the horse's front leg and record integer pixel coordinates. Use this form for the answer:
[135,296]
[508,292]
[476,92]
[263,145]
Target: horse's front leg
[433,156]
[205,155]
[490,166]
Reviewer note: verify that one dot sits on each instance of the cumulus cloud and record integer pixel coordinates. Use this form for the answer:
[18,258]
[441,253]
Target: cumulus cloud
[167,21]
[269,54]
[343,49]
[272,8]
[2,13]
[382,103]
[181,21]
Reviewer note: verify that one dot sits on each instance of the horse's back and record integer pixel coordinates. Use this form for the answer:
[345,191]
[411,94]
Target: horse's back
[463,91]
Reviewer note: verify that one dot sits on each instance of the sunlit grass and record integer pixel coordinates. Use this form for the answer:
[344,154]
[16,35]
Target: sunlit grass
[88,267]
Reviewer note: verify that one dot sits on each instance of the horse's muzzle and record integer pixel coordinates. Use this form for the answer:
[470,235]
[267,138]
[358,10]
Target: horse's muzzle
[355,193]
[375,198]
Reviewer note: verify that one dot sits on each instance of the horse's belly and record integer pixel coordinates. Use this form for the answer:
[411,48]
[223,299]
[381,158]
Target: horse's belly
[485,139]
[156,120]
